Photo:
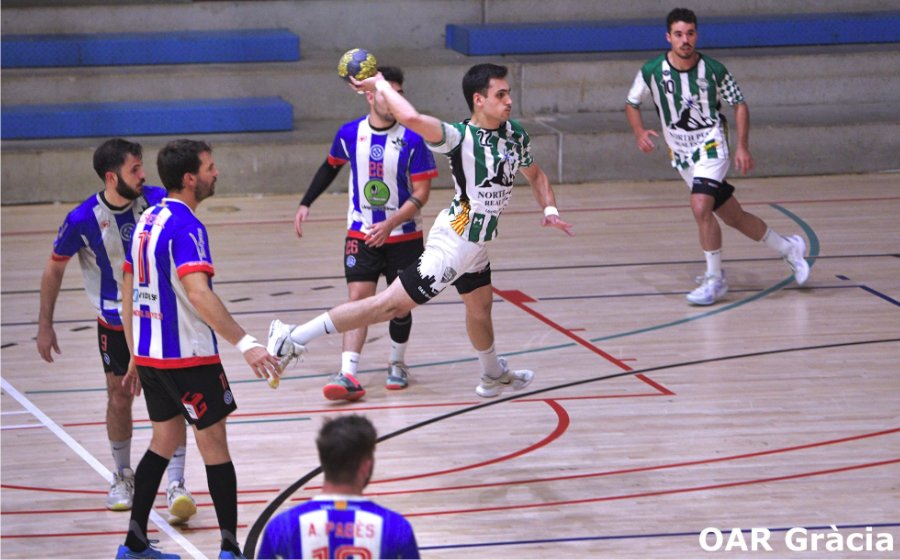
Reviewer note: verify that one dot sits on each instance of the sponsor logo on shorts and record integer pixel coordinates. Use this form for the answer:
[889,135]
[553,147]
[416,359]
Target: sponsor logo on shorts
[194,405]
[106,359]
[448,274]
[351,261]
[228,398]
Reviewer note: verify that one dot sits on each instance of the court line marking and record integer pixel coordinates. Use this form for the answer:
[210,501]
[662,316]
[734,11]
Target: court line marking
[92,461]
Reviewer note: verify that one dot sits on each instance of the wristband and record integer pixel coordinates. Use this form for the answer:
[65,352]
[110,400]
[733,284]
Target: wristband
[246,343]
[550,211]
[383,85]
[416,202]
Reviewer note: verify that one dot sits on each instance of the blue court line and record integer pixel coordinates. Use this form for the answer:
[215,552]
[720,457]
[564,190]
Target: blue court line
[647,536]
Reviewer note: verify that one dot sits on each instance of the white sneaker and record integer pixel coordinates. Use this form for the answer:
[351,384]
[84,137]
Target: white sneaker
[710,290]
[280,344]
[516,380]
[121,491]
[794,259]
[181,504]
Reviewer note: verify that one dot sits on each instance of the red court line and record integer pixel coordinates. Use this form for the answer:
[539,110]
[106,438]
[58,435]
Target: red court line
[647,468]
[520,299]
[562,424]
[659,492]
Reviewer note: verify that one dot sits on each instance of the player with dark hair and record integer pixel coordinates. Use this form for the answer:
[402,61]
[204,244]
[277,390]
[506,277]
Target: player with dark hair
[390,180]
[175,316]
[485,153]
[341,523]
[99,232]
[687,88]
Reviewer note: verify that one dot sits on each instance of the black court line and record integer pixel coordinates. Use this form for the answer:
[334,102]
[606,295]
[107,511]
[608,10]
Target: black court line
[260,523]
[503,270]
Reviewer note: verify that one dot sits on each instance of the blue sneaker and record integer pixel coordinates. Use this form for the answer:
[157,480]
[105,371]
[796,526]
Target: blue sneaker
[150,552]
[229,554]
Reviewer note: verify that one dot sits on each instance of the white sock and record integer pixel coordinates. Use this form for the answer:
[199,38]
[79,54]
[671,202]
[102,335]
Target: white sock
[398,351]
[489,364]
[714,263]
[349,362]
[175,469]
[776,242]
[121,452]
[320,326]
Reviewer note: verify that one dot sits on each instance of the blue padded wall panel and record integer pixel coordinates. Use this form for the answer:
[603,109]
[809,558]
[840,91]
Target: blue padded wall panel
[194,116]
[179,47]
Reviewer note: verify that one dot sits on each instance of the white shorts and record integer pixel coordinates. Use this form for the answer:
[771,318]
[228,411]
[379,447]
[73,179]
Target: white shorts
[446,258]
[715,169]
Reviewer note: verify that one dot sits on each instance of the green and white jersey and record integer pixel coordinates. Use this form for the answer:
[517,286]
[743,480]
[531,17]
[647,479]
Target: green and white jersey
[688,103]
[484,163]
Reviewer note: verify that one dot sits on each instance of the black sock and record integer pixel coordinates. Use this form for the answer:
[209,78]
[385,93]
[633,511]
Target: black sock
[222,482]
[399,328]
[147,477]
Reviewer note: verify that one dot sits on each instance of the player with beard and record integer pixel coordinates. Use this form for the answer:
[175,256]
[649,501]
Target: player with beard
[687,88]
[99,231]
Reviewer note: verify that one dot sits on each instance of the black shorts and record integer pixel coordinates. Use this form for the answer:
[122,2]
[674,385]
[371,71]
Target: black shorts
[113,349]
[421,290]
[365,264]
[720,192]
[201,394]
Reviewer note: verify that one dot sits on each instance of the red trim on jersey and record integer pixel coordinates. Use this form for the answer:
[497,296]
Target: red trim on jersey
[430,174]
[110,327]
[58,258]
[176,363]
[188,268]
[352,233]
[335,162]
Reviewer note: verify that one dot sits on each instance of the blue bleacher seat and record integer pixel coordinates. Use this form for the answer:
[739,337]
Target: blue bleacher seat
[646,34]
[190,116]
[175,47]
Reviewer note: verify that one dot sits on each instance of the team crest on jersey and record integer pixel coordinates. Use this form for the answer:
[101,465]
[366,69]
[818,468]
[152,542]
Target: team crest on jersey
[126,231]
[377,193]
[377,152]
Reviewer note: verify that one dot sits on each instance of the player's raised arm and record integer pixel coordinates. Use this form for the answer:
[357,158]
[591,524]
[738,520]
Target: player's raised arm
[426,126]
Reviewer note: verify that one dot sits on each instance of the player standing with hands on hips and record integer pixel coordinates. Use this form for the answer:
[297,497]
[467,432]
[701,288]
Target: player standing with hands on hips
[175,316]
[687,88]
[485,152]
[390,181]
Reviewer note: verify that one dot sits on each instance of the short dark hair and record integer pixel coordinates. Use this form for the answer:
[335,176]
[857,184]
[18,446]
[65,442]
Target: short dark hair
[680,14]
[177,158]
[110,155]
[392,74]
[344,443]
[478,79]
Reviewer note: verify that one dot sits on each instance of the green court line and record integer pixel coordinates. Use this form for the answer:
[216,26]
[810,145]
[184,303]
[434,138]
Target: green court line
[814,248]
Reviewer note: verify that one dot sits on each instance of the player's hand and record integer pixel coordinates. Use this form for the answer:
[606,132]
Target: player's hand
[743,161]
[365,85]
[299,218]
[264,365]
[378,234]
[645,142]
[46,341]
[554,221]
[131,380]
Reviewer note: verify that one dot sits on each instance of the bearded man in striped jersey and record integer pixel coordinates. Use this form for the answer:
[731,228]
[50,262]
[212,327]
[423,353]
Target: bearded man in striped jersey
[687,88]
[485,153]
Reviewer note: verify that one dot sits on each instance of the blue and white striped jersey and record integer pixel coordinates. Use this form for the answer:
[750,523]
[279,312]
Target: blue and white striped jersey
[101,236]
[338,526]
[169,243]
[383,164]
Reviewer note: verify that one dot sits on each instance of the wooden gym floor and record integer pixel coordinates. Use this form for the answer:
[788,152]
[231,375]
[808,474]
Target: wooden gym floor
[648,420]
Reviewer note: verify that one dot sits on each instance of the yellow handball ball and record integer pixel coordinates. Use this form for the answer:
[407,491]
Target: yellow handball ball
[359,63]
